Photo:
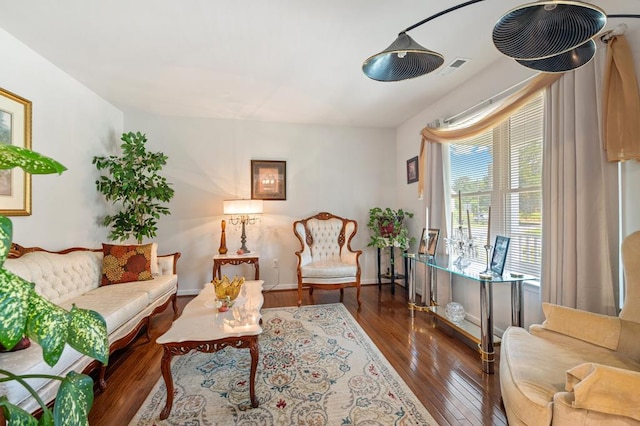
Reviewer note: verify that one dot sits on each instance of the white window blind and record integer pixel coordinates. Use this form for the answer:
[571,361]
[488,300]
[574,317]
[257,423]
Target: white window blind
[502,168]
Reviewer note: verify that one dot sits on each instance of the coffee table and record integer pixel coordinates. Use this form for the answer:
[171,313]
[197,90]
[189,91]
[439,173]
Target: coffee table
[202,328]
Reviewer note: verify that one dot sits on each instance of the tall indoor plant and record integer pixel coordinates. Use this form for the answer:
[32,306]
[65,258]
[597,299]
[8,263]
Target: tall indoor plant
[388,228]
[23,312]
[134,184]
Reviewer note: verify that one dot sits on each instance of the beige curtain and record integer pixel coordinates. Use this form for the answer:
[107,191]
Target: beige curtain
[621,103]
[509,106]
[578,254]
[506,109]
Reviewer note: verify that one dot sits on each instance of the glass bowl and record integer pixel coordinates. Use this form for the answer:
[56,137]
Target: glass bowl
[454,312]
[226,289]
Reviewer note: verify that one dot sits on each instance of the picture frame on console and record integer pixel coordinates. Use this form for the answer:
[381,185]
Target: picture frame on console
[412,170]
[15,129]
[268,180]
[429,241]
[499,258]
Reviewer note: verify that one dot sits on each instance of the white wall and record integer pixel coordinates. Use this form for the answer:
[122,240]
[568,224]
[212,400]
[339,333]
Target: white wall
[342,170]
[71,124]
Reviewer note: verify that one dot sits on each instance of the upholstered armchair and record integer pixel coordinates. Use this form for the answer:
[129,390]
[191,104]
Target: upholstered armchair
[577,367]
[326,259]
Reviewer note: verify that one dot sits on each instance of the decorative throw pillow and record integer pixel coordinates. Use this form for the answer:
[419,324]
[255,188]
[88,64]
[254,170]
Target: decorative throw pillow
[126,263]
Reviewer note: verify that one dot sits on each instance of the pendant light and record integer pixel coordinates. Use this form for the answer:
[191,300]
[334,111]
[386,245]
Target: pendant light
[402,60]
[567,61]
[547,28]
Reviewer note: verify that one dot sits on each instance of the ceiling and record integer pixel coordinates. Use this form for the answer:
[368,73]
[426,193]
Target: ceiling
[292,61]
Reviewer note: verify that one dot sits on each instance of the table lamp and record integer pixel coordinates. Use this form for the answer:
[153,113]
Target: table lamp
[240,211]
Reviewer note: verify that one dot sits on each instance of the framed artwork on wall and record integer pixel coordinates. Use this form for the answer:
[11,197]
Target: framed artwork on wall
[500,249]
[15,129]
[268,180]
[412,170]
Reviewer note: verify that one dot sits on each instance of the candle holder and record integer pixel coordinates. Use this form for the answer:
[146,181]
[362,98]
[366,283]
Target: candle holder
[462,246]
[488,248]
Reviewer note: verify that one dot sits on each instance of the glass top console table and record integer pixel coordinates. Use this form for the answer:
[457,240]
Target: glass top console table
[484,335]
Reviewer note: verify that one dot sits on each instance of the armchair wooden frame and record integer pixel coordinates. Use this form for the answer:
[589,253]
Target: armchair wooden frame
[344,241]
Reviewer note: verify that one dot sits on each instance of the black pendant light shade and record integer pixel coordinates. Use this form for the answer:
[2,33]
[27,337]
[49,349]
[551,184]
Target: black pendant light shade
[567,61]
[402,60]
[547,28]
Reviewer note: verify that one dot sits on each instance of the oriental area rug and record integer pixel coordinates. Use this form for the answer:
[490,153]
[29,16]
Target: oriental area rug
[316,367]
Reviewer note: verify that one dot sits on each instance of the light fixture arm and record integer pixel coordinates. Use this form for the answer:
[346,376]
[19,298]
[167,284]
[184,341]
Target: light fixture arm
[444,12]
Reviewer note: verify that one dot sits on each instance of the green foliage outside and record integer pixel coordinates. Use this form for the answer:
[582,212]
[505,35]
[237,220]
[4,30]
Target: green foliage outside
[133,183]
[23,312]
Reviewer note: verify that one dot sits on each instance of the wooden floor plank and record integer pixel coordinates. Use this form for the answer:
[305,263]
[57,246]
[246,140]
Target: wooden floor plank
[444,373]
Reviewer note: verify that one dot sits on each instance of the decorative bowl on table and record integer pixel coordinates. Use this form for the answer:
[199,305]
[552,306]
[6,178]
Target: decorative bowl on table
[227,291]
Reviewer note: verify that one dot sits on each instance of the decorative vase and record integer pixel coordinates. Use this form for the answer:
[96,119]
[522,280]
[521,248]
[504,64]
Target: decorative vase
[223,239]
[454,312]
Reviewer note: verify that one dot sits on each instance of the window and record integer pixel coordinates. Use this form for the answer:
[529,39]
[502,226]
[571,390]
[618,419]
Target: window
[502,168]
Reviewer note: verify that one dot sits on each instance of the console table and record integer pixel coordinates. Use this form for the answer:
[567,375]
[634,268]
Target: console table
[236,259]
[483,335]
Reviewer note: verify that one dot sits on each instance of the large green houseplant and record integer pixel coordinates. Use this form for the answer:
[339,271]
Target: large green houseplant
[134,184]
[388,228]
[23,312]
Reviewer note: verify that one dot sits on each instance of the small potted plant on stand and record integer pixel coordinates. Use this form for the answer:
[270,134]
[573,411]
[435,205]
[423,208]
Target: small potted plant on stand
[388,230]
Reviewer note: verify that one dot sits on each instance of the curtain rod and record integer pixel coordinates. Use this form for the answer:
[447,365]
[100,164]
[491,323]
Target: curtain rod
[485,103]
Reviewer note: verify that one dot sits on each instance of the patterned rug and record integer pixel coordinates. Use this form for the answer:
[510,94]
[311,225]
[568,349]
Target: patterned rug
[316,367]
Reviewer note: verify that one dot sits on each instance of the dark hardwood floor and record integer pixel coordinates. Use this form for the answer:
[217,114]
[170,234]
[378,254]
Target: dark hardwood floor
[444,373]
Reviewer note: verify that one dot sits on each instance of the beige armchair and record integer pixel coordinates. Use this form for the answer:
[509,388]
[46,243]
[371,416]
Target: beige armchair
[326,259]
[577,367]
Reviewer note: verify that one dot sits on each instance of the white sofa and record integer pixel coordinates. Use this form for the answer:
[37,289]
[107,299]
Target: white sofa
[578,367]
[73,276]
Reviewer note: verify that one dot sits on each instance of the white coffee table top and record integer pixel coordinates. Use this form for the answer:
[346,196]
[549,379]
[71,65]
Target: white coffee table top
[201,321]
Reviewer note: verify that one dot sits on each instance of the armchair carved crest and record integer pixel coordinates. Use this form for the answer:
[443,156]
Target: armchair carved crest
[326,259]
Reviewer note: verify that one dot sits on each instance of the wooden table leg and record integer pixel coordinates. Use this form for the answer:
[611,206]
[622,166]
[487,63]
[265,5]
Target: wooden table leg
[253,349]
[165,367]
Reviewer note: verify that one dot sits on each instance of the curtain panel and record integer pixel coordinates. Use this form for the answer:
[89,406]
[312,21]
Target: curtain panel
[620,103]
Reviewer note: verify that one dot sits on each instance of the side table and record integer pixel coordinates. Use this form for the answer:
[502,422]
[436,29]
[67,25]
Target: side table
[236,259]
[391,274]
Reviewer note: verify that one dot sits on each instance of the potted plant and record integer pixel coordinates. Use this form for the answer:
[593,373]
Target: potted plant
[387,228]
[134,183]
[23,312]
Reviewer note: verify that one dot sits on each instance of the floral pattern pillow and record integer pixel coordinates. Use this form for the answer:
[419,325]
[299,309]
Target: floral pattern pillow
[126,263]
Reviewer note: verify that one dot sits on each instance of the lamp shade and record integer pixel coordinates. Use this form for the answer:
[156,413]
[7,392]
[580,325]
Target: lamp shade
[563,62]
[547,28]
[402,60]
[242,207]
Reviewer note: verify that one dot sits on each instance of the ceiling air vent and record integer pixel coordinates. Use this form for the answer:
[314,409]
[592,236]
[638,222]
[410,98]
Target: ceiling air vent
[454,66]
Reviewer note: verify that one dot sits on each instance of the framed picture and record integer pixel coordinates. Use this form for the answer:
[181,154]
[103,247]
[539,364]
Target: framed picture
[429,241]
[499,257]
[15,129]
[412,170]
[268,180]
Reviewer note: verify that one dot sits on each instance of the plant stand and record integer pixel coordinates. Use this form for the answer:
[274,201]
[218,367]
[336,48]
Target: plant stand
[392,275]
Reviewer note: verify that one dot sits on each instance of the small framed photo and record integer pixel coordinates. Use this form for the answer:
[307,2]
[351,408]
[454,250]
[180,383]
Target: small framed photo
[412,170]
[500,249]
[268,180]
[429,241]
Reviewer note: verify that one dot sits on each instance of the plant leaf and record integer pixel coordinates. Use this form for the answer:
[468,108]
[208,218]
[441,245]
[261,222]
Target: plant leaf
[88,334]
[73,400]
[30,161]
[47,324]
[14,304]
[16,415]
[6,236]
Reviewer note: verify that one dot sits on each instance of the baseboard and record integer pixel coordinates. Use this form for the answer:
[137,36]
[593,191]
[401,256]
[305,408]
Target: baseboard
[271,287]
